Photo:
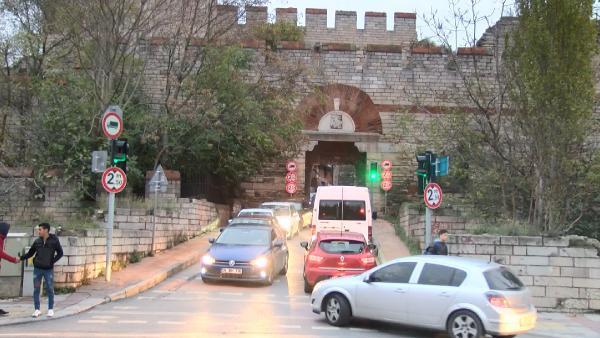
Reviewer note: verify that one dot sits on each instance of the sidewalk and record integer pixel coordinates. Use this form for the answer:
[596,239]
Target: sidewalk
[128,282]
[389,244]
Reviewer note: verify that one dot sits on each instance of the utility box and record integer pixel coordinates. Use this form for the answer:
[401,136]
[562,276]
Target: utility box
[11,275]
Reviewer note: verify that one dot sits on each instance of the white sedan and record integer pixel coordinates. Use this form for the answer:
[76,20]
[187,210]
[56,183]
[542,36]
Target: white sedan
[464,296]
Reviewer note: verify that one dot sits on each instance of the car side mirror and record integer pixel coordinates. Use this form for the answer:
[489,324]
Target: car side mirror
[277,243]
[304,245]
[211,240]
[367,279]
[372,247]
[374,215]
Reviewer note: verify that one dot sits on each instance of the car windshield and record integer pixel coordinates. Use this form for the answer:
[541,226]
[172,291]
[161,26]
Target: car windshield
[335,246]
[502,279]
[281,211]
[254,214]
[332,210]
[249,221]
[245,236]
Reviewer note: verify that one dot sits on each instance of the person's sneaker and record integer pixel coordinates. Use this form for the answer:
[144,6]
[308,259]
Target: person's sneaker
[36,313]
[50,313]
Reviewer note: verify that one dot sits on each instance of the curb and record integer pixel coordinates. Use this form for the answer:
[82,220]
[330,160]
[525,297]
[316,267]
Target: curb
[127,292]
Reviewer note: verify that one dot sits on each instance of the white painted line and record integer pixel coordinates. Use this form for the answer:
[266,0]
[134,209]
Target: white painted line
[170,323]
[143,297]
[197,292]
[132,321]
[162,291]
[125,307]
[231,293]
[104,317]
[360,330]
[325,328]
[26,334]
[87,321]
[290,326]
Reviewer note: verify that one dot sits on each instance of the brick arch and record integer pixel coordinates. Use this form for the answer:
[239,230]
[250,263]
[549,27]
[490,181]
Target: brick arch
[354,101]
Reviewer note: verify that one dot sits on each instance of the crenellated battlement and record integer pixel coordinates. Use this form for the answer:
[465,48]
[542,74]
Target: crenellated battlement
[345,29]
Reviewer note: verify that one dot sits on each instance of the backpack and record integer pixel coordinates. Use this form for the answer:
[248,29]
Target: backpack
[428,250]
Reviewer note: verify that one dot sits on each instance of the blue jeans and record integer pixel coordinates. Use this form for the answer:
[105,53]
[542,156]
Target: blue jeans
[48,275]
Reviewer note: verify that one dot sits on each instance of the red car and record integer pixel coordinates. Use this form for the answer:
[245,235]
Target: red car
[334,254]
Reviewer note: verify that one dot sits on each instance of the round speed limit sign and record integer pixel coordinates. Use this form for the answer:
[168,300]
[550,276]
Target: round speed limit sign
[114,180]
[433,195]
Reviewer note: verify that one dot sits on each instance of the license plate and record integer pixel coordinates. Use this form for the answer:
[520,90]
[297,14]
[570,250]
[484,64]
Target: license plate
[232,271]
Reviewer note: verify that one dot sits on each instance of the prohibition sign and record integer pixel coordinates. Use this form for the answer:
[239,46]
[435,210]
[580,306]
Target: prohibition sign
[114,180]
[112,125]
[433,195]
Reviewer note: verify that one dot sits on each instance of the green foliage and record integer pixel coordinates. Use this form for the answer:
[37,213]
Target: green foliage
[135,257]
[273,33]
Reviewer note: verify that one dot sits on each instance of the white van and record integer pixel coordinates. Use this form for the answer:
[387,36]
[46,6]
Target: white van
[344,209]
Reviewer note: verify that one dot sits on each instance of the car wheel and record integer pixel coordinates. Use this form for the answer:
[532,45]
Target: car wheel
[337,310]
[285,266]
[307,287]
[465,324]
[207,280]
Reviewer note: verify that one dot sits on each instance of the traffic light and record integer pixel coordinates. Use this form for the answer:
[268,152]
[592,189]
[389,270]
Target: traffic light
[423,168]
[432,166]
[119,150]
[374,172]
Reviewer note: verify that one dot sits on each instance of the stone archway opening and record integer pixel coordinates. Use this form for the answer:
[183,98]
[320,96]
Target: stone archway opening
[334,163]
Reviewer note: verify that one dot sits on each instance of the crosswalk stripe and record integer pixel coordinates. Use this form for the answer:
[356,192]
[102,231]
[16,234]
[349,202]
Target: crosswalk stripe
[169,323]
[118,307]
[162,291]
[132,321]
[290,326]
[104,317]
[144,297]
[231,293]
[89,321]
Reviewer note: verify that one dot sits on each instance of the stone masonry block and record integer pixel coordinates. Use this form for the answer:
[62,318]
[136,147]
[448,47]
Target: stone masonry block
[562,292]
[100,241]
[586,283]
[579,304]
[543,270]
[594,273]
[527,260]
[587,262]
[553,281]
[509,240]
[589,293]
[520,250]
[537,291]
[594,304]
[501,259]
[77,260]
[573,252]
[574,272]
[484,249]
[464,249]
[504,250]
[530,240]
[555,241]
[528,280]
[545,302]
[542,251]
[561,261]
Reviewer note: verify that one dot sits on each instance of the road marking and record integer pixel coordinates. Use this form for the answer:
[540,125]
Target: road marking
[231,293]
[357,329]
[182,313]
[170,323]
[88,321]
[26,334]
[162,291]
[290,326]
[325,328]
[144,297]
[238,300]
[118,307]
[132,321]
[104,317]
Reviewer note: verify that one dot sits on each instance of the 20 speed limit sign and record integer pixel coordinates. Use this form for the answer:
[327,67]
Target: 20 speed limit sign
[114,180]
[433,195]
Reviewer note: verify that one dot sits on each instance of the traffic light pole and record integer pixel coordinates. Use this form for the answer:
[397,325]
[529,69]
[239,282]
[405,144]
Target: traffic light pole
[109,234]
[428,213]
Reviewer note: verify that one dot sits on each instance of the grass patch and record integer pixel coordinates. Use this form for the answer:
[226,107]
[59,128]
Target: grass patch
[135,256]
[411,243]
[506,228]
[64,290]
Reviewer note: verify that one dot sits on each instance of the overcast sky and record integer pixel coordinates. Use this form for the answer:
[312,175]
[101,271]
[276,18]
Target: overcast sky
[488,8]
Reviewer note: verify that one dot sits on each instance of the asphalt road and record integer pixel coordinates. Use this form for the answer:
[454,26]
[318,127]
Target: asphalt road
[183,306]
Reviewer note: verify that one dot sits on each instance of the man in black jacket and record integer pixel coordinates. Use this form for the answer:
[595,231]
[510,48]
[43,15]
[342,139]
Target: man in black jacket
[47,251]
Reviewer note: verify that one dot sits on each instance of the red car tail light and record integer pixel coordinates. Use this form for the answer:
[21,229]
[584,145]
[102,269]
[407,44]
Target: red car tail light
[497,300]
[315,258]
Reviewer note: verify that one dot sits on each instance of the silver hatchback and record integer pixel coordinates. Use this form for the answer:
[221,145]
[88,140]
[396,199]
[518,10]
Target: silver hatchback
[466,297]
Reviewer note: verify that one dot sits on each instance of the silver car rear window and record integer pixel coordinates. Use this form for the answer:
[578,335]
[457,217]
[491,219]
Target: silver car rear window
[502,279]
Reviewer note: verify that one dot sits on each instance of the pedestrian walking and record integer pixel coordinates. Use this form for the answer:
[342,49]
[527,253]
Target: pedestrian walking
[4,227]
[47,251]
[439,246]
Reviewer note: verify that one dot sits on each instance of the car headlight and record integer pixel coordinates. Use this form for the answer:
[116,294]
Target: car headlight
[208,260]
[284,222]
[260,262]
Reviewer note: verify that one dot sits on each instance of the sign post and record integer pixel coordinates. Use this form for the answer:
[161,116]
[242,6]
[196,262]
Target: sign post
[386,183]
[158,183]
[114,179]
[432,196]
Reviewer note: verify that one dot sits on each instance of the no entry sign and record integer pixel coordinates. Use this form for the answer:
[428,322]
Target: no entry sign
[114,180]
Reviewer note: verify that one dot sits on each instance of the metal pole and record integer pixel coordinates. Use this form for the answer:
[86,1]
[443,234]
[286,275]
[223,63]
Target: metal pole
[385,202]
[109,234]
[154,216]
[427,227]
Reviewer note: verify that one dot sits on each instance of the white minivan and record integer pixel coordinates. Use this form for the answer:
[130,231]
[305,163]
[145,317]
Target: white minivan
[344,209]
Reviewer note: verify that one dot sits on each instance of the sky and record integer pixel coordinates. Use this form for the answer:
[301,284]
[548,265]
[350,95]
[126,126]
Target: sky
[424,8]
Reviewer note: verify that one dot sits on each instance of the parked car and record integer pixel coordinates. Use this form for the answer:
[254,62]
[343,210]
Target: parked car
[246,252]
[336,254]
[253,221]
[464,296]
[286,216]
[256,213]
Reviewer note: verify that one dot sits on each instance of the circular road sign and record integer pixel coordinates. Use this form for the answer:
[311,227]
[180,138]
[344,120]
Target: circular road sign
[290,188]
[291,166]
[433,195]
[386,175]
[291,177]
[112,125]
[386,165]
[386,185]
[114,180]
